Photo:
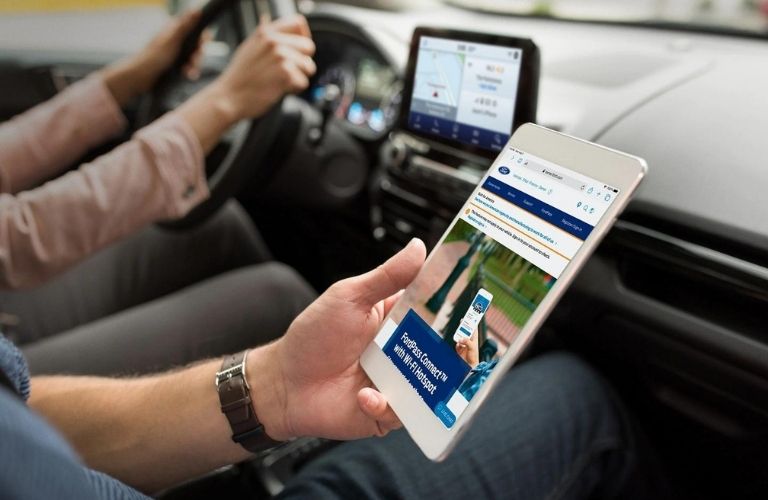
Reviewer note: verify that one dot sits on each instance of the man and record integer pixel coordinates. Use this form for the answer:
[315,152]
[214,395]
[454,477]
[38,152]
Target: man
[93,297]
[552,430]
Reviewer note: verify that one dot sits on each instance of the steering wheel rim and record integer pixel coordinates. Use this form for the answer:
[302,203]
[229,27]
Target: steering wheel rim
[249,140]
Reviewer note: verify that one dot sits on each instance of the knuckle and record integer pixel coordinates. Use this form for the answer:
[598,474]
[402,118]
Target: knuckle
[285,68]
[269,41]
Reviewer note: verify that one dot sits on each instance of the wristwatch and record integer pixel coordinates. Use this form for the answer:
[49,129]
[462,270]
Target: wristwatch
[235,399]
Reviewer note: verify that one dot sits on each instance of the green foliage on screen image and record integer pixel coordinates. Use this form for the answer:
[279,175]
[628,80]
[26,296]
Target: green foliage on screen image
[461,231]
[517,285]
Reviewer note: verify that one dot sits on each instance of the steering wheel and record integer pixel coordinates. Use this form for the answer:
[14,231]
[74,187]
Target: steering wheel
[248,142]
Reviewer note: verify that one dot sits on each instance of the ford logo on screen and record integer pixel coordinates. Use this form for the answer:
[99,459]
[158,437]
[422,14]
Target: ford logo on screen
[504,170]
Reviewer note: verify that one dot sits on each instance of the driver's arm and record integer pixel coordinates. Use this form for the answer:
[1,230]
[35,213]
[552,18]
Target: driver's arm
[38,144]
[157,175]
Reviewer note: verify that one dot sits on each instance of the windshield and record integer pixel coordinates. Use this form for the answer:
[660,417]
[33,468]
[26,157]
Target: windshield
[736,16]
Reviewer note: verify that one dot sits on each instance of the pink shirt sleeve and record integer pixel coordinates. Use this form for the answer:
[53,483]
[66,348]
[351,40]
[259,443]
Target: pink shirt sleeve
[38,144]
[157,175]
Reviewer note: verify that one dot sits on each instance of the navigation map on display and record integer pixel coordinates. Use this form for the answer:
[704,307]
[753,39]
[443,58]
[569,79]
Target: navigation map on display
[465,91]
[438,77]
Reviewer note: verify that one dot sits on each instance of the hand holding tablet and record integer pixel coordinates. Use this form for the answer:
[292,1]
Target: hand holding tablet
[494,277]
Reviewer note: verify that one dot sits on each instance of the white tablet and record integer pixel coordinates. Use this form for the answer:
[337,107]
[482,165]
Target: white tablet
[494,277]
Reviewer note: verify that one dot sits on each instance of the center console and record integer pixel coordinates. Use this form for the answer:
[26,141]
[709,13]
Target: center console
[463,96]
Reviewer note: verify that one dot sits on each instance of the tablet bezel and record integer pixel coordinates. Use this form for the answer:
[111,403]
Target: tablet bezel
[526,100]
[605,165]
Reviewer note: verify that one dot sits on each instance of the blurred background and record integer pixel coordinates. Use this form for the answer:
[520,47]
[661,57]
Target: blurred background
[745,15]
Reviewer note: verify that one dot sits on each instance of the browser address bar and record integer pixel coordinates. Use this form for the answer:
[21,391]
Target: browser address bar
[555,175]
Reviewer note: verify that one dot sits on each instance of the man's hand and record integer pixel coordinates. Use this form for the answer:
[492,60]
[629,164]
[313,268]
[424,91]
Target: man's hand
[159,430]
[310,382]
[137,74]
[468,350]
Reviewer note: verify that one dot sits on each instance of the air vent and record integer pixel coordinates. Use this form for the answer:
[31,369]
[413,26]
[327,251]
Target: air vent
[405,214]
[710,285]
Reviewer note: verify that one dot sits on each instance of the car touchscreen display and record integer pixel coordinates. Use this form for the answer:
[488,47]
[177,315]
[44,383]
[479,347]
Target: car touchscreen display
[465,91]
[511,242]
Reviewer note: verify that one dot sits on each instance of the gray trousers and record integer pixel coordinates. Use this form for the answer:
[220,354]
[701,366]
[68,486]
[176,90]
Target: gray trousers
[159,299]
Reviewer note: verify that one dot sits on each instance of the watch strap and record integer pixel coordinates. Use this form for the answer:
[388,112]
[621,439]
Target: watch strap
[237,406]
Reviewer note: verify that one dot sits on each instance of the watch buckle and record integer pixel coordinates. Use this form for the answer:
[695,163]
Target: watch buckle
[227,374]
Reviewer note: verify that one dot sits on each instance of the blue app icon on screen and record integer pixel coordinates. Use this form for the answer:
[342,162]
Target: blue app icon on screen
[504,170]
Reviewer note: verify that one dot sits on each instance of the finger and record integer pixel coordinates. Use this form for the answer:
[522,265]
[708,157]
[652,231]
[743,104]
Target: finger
[390,302]
[383,307]
[192,68]
[374,405]
[205,37]
[304,26]
[389,278]
[297,80]
[292,24]
[388,422]
[300,43]
[301,61]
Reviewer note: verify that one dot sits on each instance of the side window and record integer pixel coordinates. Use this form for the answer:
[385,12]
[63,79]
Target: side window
[114,26]
[40,6]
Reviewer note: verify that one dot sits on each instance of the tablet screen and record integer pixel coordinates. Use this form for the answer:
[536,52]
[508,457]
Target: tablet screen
[465,91]
[511,242]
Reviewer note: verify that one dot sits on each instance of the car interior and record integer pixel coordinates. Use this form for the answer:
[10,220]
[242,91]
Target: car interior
[673,306]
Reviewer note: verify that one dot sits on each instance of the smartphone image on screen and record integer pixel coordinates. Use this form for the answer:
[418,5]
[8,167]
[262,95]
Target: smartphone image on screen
[474,315]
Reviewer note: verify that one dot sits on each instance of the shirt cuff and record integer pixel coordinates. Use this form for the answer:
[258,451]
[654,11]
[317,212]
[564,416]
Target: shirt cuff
[180,161]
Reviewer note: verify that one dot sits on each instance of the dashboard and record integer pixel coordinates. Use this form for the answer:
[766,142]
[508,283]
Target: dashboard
[363,87]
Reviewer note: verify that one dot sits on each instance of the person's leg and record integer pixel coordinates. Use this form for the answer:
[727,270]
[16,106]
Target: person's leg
[152,263]
[236,310]
[552,430]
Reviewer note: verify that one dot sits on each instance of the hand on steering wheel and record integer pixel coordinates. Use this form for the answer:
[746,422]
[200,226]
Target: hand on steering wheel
[276,60]
[138,73]
[273,61]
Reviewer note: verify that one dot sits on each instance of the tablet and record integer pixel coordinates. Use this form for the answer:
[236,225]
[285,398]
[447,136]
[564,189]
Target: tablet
[494,277]
[469,90]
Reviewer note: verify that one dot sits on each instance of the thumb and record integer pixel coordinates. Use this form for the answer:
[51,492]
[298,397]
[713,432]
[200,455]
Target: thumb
[390,277]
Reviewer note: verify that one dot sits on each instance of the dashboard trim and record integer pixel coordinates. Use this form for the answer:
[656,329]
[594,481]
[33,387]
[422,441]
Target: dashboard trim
[701,252]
